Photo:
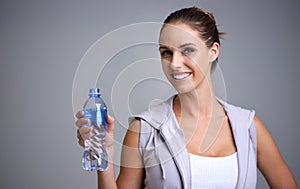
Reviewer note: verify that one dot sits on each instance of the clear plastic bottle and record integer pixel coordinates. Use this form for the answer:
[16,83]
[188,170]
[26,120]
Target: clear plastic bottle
[95,156]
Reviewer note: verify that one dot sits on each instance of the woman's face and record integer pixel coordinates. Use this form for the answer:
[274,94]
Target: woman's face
[186,60]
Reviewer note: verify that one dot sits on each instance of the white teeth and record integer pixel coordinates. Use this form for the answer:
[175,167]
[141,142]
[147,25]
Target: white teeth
[180,76]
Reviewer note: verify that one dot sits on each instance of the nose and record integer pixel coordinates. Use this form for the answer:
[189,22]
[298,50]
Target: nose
[177,60]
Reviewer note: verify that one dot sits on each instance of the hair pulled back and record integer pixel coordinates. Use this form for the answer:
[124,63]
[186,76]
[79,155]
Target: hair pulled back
[201,21]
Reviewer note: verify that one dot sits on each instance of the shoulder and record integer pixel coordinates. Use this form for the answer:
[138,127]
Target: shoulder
[259,124]
[238,114]
[133,133]
[155,115]
[263,135]
[232,108]
[135,125]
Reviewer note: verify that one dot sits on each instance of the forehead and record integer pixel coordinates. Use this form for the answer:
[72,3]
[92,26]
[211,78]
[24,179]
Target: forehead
[174,35]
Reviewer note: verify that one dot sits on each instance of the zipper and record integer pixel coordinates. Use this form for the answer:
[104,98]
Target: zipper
[174,158]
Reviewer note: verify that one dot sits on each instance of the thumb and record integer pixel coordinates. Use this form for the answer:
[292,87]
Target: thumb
[110,121]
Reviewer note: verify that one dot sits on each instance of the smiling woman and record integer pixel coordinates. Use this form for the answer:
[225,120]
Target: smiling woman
[165,145]
[186,60]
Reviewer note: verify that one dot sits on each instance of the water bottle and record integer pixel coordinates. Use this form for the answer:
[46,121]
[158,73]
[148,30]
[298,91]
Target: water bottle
[95,156]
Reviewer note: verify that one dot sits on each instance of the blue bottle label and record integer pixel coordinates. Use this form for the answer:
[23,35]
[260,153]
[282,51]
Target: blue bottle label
[97,116]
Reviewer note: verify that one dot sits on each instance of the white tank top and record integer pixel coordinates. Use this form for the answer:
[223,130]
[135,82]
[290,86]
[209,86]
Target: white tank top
[214,172]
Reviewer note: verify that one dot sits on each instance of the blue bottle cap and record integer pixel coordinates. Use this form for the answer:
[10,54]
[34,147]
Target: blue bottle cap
[95,91]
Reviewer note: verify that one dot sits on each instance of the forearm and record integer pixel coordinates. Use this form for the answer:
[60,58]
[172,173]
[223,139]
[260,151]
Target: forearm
[270,162]
[106,179]
[281,177]
[131,170]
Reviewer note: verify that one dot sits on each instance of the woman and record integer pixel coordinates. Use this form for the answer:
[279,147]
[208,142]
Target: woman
[192,140]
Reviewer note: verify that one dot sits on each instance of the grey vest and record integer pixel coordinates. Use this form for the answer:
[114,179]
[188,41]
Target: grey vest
[164,152]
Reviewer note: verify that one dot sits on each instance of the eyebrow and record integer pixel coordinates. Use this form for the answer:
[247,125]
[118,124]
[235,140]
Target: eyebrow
[186,44]
[181,46]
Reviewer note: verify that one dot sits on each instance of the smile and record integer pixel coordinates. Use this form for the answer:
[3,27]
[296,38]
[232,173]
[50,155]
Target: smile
[181,76]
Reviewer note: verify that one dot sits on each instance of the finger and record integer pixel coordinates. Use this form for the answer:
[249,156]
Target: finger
[80,139]
[85,132]
[78,134]
[80,114]
[81,142]
[82,121]
[110,121]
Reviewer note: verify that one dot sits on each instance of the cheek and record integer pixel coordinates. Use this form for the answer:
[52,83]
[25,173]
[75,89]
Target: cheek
[200,63]
[165,67]
[194,63]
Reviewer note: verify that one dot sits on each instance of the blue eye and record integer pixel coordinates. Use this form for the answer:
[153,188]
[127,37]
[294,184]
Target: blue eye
[166,53]
[188,50]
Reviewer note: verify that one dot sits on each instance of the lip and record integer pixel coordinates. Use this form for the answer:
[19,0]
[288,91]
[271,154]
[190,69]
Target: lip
[181,75]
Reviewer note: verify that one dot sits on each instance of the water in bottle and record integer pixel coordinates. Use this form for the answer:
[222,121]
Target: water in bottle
[95,156]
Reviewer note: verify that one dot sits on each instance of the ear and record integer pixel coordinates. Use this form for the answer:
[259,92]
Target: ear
[214,52]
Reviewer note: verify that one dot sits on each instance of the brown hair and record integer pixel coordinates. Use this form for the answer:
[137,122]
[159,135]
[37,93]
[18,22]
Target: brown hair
[201,21]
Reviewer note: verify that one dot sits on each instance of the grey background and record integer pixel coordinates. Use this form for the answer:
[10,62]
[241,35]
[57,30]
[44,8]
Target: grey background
[42,43]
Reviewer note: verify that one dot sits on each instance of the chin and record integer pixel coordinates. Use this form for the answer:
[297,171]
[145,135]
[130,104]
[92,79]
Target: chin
[185,89]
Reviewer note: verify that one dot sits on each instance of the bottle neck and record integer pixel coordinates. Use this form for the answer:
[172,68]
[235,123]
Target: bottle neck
[95,95]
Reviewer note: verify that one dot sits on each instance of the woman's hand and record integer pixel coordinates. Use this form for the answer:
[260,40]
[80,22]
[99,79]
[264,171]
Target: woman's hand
[106,179]
[84,133]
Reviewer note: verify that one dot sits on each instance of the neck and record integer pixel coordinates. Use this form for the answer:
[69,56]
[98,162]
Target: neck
[200,103]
